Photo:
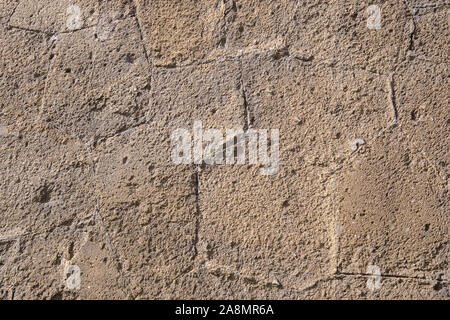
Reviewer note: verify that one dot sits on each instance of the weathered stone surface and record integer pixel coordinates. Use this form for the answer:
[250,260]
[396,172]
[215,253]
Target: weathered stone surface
[210,93]
[7,8]
[239,228]
[306,29]
[45,177]
[430,39]
[149,203]
[36,266]
[252,239]
[426,4]
[24,67]
[351,287]
[148,207]
[422,99]
[56,16]
[393,211]
[178,32]
[116,9]
[374,49]
[319,110]
[92,91]
[98,82]
[220,283]
[52,16]
[206,30]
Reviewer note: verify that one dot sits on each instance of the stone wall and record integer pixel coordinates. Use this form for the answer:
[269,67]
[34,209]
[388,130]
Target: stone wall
[93,206]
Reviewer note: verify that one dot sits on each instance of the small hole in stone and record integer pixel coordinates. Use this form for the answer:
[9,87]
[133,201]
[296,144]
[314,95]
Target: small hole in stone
[427,227]
[129,57]
[43,194]
[437,286]
[68,70]
[124,160]
[57,296]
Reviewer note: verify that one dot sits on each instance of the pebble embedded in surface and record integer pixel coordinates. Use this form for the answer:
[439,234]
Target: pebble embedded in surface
[355,144]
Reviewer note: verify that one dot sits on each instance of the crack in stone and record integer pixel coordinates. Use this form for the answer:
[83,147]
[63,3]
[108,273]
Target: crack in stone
[15,237]
[392,98]
[198,213]
[49,68]
[247,117]
[141,34]
[228,55]
[193,64]
[431,5]
[123,131]
[335,228]
[14,11]
[97,215]
[49,34]
[142,40]
[76,30]
[413,31]
[390,276]
[224,270]
[8,26]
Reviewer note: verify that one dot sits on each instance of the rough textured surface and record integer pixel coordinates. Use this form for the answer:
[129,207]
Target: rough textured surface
[7,8]
[93,207]
[100,86]
[25,58]
[44,178]
[377,50]
[377,195]
[148,208]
